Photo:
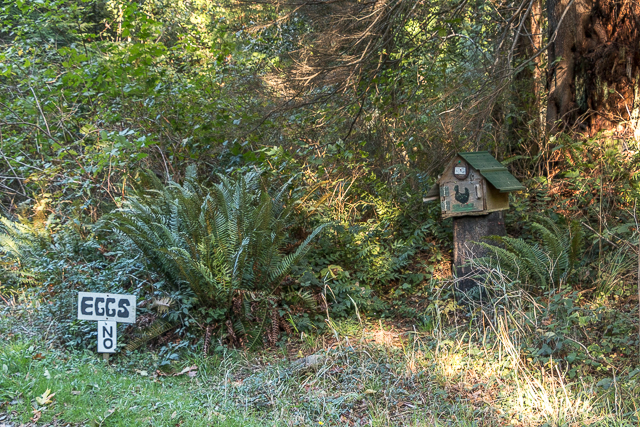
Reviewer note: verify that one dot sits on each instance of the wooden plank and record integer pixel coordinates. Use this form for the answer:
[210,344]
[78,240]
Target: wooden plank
[496,200]
[481,160]
[492,170]
[503,180]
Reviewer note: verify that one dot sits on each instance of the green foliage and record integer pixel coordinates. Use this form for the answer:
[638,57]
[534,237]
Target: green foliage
[601,174]
[614,272]
[366,377]
[223,246]
[91,91]
[586,336]
[55,260]
[84,390]
[20,245]
[543,265]
[383,250]
[154,330]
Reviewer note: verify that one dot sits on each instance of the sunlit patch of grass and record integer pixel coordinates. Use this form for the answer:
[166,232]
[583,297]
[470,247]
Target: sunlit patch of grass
[86,390]
[450,364]
[410,379]
[311,342]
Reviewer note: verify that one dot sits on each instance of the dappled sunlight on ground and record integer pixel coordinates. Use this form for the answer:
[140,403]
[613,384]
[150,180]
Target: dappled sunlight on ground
[492,380]
[361,373]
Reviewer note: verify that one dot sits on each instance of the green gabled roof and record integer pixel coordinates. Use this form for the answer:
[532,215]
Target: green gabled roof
[494,171]
[503,180]
[482,160]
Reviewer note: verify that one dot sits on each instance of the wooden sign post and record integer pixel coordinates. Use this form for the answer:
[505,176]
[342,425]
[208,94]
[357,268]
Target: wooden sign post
[473,190]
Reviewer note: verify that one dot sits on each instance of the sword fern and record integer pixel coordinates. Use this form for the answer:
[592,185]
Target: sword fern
[223,242]
[544,264]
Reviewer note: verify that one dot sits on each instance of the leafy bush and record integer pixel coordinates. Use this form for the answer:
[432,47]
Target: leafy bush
[557,313]
[584,334]
[20,243]
[220,249]
[382,248]
[55,260]
[545,264]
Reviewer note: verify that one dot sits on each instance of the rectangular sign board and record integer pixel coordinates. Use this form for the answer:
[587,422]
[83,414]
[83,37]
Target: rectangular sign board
[107,336]
[106,307]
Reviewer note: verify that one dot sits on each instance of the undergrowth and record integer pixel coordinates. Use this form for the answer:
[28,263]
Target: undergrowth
[362,372]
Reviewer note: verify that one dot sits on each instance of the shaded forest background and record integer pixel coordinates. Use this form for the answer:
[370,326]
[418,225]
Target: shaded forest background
[124,126]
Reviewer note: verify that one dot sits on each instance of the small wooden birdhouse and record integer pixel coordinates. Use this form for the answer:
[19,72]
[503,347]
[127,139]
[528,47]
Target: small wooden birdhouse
[473,183]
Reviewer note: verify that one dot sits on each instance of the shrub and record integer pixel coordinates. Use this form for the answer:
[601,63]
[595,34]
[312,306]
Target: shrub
[51,261]
[546,264]
[220,249]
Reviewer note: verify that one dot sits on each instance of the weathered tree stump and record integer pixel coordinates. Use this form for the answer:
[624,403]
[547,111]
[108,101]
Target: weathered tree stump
[466,231]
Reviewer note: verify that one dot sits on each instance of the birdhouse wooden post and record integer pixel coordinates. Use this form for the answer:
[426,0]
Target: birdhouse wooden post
[473,190]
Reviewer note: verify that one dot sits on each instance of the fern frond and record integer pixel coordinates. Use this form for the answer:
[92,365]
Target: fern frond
[576,244]
[546,264]
[215,241]
[154,330]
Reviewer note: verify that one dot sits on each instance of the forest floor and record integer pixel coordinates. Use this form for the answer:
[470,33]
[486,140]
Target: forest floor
[359,373]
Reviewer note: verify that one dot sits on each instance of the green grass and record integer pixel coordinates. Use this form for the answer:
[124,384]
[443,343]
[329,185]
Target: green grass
[365,386]
[87,390]
[371,375]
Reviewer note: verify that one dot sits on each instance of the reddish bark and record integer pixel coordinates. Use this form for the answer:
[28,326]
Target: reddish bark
[594,65]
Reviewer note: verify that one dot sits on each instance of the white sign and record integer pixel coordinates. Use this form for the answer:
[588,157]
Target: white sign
[108,310]
[459,170]
[111,307]
[107,336]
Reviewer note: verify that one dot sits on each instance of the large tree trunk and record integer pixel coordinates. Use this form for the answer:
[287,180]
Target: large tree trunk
[535,29]
[594,66]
